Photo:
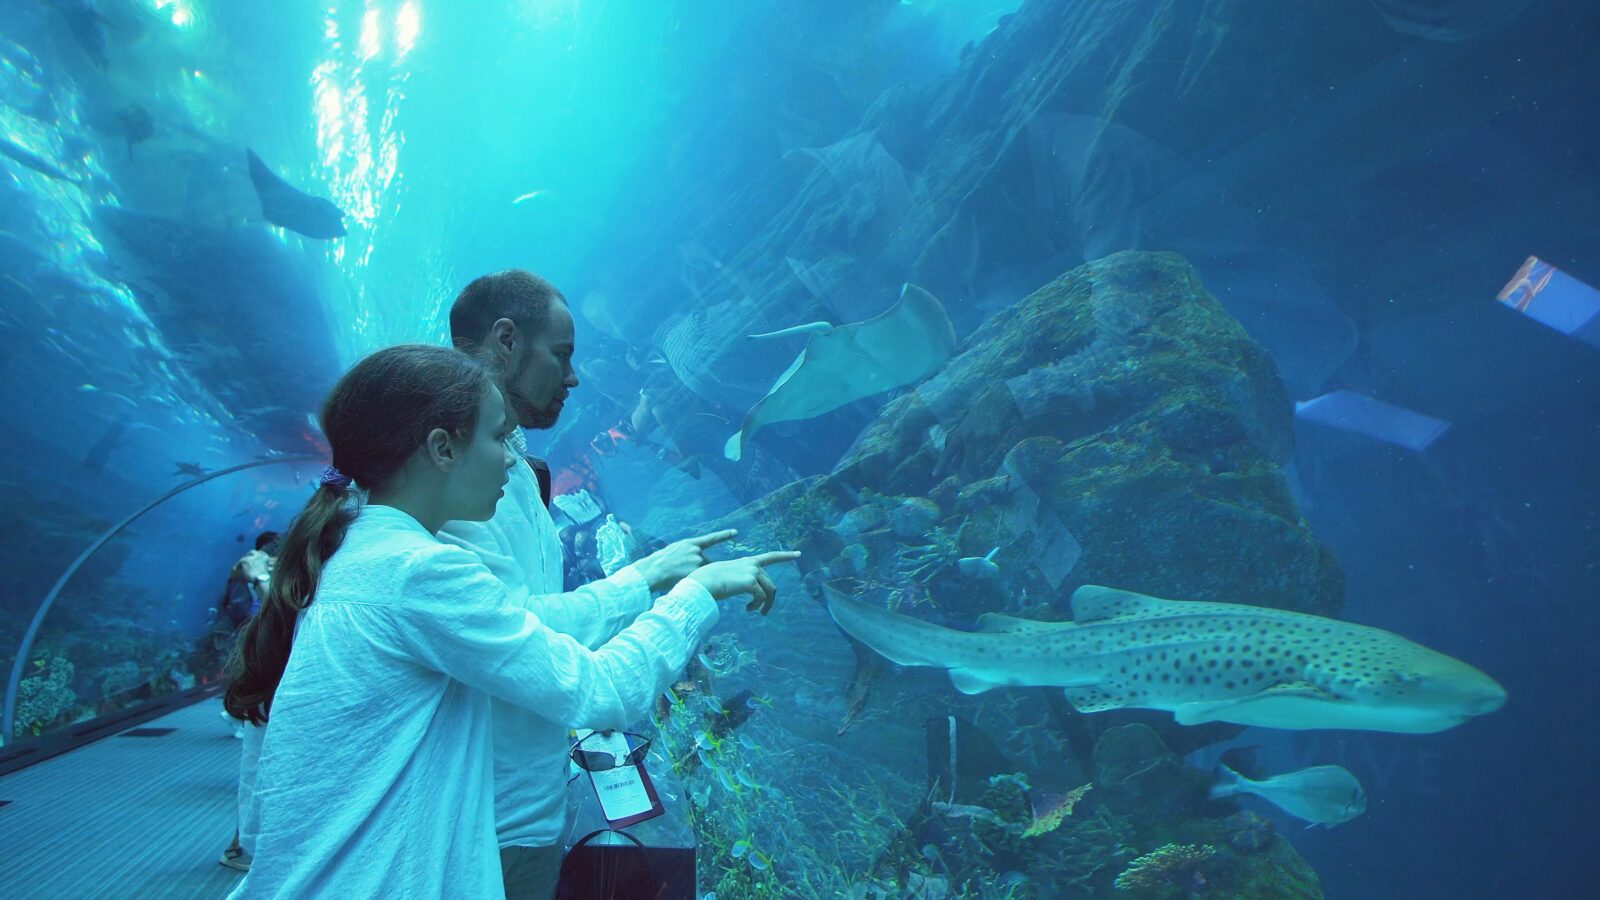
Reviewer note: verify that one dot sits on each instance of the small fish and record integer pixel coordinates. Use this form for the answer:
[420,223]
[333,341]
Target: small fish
[189,469]
[739,849]
[982,567]
[759,862]
[745,742]
[706,662]
[755,702]
[726,782]
[705,759]
[531,195]
[1321,795]
[745,780]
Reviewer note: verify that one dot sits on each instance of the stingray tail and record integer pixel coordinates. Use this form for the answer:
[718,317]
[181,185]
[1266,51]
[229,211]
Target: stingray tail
[808,328]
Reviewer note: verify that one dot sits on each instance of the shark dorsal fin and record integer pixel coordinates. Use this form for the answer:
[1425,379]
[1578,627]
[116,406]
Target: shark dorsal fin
[1092,603]
[1002,622]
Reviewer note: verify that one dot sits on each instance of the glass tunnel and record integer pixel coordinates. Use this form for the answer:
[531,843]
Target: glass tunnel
[1172,422]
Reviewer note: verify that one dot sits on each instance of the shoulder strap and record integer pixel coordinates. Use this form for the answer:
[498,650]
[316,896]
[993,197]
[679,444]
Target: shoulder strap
[541,471]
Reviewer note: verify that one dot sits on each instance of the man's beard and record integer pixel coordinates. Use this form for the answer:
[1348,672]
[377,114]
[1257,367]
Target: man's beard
[533,416]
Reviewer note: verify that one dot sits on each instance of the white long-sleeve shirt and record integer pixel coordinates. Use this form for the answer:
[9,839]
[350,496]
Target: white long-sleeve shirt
[376,772]
[521,547]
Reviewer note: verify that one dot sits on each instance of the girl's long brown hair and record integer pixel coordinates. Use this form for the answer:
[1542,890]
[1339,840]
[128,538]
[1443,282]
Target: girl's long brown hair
[377,416]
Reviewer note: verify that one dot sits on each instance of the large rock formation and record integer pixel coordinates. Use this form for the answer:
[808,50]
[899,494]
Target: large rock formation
[1115,427]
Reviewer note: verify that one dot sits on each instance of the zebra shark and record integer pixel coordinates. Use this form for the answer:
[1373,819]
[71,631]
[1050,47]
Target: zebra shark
[1203,662]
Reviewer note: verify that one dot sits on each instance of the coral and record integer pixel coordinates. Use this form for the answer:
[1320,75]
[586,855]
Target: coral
[922,562]
[1143,778]
[120,678]
[1052,817]
[1001,834]
[1172,870]
[45,696]
[1248,832]
[1088,846]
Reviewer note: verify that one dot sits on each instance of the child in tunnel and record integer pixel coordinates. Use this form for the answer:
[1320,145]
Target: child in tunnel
[376,772]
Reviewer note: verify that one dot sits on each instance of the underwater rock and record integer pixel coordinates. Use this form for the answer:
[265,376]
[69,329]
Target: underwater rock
[1125,430]
[34,556]
[1137,775]
[858,521]
[913,517]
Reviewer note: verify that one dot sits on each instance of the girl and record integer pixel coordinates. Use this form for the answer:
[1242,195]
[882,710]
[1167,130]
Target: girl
[375,777]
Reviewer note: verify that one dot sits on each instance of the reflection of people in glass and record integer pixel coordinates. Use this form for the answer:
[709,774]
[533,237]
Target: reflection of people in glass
[247,583]
[249,579]
[1533,277]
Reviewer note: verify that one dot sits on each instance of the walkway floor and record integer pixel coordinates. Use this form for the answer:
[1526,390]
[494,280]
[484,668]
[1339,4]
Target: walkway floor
[125,816]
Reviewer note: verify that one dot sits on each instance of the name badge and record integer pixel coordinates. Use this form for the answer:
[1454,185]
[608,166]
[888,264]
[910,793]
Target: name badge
[626,793]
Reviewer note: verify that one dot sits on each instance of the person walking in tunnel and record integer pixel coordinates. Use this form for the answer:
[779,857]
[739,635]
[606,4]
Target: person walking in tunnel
[241,599]
[519,326]
[376,773]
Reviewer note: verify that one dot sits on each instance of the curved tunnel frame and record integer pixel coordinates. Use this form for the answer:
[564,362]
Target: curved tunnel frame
[8,723]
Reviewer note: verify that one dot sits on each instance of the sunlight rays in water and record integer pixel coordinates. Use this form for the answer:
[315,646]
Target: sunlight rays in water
[358,89]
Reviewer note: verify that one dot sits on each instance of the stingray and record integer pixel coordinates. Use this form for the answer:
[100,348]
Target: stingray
[287,207]
[1448,20]
[845,363]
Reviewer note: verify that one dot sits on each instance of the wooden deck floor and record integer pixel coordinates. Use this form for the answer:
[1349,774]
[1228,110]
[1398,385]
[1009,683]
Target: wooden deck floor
[125,816]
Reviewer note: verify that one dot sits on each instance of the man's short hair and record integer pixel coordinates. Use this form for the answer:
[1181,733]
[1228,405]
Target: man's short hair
[514,294]
[265,538]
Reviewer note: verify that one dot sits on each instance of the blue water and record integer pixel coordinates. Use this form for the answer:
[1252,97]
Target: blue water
[1354,181]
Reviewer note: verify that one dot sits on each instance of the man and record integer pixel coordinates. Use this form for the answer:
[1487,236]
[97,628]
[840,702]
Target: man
[249,578]
[519,325]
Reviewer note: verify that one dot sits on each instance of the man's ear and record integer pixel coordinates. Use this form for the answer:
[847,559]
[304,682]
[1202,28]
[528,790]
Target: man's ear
[503,336]
[442,451]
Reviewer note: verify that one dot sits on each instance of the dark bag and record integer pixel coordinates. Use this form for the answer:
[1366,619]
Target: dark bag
[616,871]
[541,471]
[237,600]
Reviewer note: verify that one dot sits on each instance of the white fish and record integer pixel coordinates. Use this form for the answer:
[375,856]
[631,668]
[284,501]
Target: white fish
[1321,795]
[983,567]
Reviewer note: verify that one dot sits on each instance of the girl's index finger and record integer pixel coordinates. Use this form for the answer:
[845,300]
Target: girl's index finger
[775,556]
[714,538]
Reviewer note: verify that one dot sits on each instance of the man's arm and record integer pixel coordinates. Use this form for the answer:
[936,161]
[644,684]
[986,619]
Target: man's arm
[595,612]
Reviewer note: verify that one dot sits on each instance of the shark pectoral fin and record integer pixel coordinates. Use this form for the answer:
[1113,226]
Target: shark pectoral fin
[1092,698]
[1000,622]
[1281,701]
[970,681]
[1093,603]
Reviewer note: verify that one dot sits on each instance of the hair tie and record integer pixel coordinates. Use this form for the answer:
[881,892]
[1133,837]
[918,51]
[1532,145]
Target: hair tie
[335,479]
